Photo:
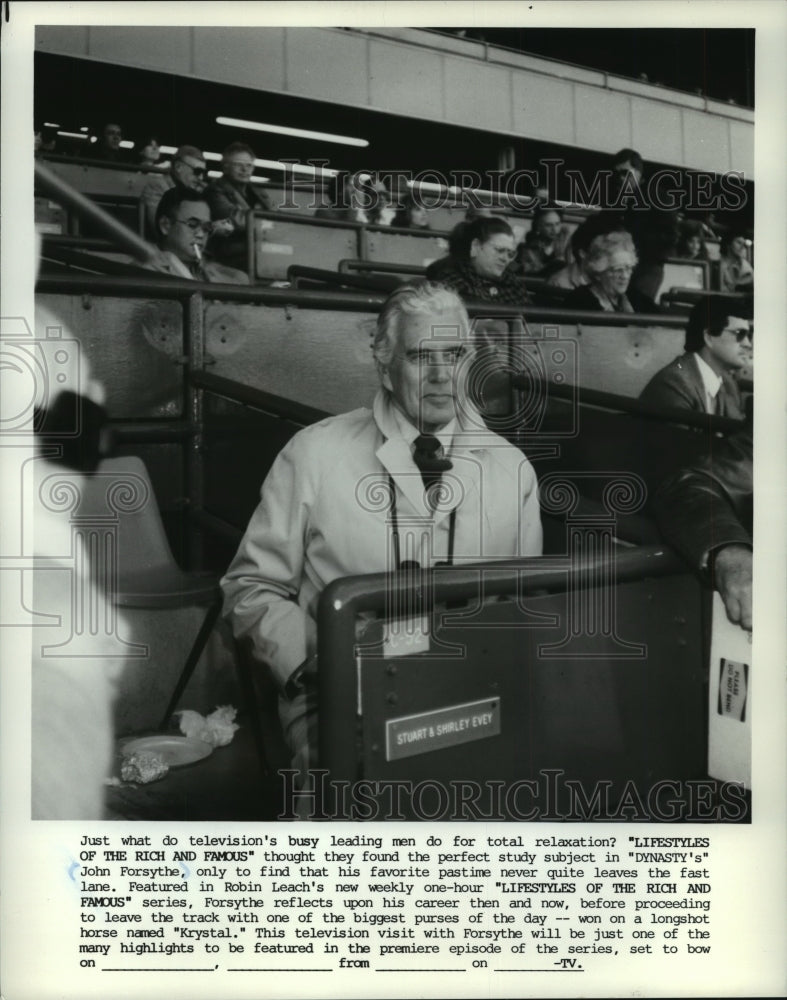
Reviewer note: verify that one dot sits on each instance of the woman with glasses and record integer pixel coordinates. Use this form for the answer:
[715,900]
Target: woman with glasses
[609,266]
[478,267]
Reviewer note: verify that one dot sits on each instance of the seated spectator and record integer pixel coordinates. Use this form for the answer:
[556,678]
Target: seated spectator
[359,197]
[411,215]
[705,513]
[717,344]
[385,212]
[231,197]
[574,273]
[312,526]
[147,151]
[610,263]
[544,249]
[691,245]
[478,265]
[183,225]
[188,172]
[106,146]
[735,272]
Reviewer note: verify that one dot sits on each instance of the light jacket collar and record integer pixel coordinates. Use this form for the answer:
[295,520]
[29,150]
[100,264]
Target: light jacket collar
[395,455]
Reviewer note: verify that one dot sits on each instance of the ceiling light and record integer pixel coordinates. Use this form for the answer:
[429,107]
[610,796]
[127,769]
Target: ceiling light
[51,125]
[299,133]
[73,135]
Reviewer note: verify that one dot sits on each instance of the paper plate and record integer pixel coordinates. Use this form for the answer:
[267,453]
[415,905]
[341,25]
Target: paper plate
[176,751]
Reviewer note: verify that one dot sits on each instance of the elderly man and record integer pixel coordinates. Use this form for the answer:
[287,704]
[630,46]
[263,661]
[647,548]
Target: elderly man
[188,172]
[183,225]
[718,342]
[312,525]
[230,198]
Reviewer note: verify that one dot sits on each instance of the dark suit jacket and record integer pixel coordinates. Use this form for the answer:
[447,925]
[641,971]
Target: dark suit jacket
[679,386]
[583,298]
[228,201]
[710,505]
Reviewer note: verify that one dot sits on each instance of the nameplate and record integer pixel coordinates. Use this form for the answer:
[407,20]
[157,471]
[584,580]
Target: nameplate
[411,735]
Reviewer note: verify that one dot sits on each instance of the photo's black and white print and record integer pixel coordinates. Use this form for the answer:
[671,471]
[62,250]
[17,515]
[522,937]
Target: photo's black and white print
[378,448]
[483,329]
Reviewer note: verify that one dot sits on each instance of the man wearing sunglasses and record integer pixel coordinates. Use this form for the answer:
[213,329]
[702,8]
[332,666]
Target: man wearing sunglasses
[719,339]
[189,172]
[183,226]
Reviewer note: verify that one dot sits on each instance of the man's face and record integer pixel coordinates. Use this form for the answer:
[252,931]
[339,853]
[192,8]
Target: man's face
[112,136]
[239,167]
[188,229]
[191,173]
[732,349]
[422,374]
[549,226]
[622,170]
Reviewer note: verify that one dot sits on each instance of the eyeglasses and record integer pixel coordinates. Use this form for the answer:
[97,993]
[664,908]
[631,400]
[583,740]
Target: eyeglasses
[196,226]
[620,272]
[741,335]
[197,171]
[504,252]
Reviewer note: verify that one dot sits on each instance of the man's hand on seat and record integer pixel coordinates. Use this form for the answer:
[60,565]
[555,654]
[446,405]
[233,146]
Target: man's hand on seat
[732,576]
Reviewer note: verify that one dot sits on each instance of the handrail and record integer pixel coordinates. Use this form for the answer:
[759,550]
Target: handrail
[375,591]
[355,264]
[342,301]
[164,286]
[681,293]
[287,409]
[56,188]
[372,282]
[134,168]
[299,413]
[439,234]
[627,404]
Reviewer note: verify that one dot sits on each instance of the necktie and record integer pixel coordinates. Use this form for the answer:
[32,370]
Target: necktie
[429,464]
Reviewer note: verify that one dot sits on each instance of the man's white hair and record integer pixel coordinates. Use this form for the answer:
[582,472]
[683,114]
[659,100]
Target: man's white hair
[419,298]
